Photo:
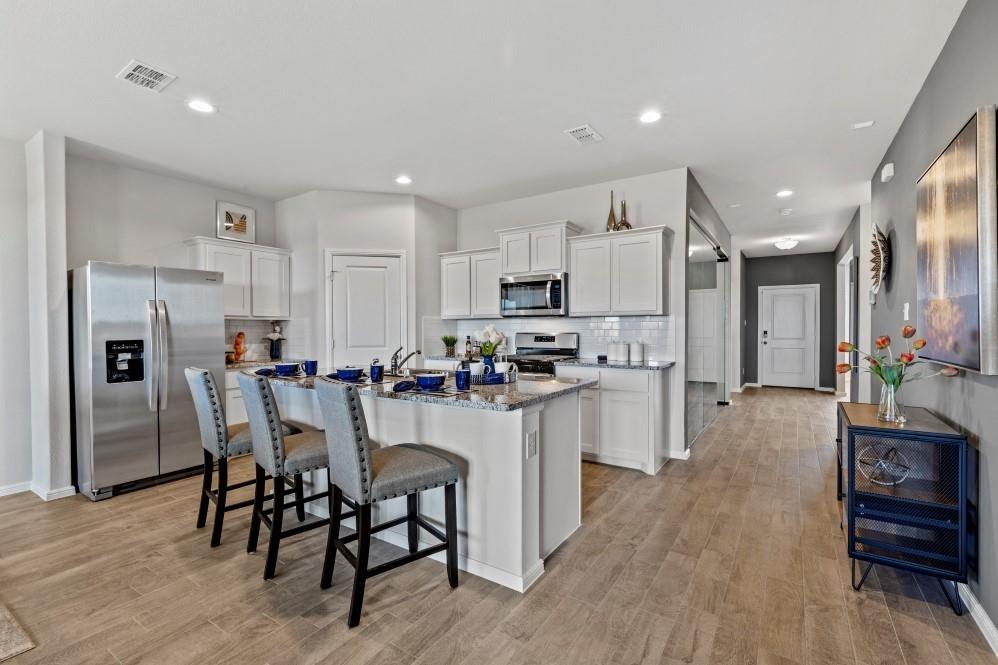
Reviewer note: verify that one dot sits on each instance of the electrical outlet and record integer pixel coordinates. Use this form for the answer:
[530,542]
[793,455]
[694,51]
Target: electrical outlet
[906,311]
[531,444]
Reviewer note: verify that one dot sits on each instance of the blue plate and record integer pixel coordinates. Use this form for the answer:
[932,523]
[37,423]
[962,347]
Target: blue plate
[266,371]
[403,386]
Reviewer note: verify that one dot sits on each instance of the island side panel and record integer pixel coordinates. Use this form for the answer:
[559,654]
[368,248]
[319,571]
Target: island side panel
[561,471]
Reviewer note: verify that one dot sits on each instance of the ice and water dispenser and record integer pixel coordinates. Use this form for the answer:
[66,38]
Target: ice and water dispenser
[125,362]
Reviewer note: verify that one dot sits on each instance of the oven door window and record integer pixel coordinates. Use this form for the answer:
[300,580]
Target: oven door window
[530,296]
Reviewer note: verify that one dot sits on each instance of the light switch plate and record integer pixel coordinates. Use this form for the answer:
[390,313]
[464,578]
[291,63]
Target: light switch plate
[531,444]
[906,311]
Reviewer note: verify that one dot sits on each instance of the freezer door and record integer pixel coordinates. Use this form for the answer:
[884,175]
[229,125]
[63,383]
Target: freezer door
[122,407]
[191,334]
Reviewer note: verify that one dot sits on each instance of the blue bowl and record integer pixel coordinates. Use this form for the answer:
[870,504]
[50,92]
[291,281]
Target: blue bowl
[348,373]
[287,369]
[431,381]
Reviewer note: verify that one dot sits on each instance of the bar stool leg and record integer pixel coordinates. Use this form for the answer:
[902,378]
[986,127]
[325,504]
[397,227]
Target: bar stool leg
[299,498]
[412,501]
[223,482]
[259,491]
[450,517]
[360,575]
[276,525]
[335,511]
[209,463]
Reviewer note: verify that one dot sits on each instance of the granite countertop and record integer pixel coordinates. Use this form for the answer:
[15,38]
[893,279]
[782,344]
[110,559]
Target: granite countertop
[591,362]
[504,397]
[247,364]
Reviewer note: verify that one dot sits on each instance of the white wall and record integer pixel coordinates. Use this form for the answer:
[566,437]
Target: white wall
[15,404]
[652,200]
[118,213]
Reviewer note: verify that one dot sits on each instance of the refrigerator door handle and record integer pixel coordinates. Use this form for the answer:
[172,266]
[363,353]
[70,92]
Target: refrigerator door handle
[164,354]
[153,380]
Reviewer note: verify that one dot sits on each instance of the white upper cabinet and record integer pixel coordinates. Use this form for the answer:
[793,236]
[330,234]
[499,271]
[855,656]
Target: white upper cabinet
[469,284]
[589,283]
[455,286]
[485,285]
[622,273]
[539,248]
[271,285]
[257,279]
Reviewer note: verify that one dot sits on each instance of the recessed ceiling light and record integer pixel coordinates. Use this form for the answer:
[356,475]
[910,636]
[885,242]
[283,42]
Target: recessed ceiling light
[786,211]
[734,205]
[786,243]
[201,106]
[864,124]
[784,193]
[403,180]
[650,116]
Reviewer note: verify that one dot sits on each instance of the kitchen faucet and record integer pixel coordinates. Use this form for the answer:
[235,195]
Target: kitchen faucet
[396,365]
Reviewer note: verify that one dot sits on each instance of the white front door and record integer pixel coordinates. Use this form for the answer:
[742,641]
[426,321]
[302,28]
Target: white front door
[367,309]
[787,335]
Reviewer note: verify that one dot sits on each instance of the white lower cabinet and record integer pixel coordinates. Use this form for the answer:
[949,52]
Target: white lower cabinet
[623,422]
[235,409]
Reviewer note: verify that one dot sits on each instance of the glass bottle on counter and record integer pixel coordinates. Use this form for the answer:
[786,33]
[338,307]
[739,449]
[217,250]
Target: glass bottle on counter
[467,347]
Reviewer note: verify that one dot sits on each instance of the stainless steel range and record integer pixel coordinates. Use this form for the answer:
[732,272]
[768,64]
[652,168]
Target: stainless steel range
[536,353]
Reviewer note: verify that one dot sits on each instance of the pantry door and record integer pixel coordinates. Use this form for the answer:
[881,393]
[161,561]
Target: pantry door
[368,316]
[788,335]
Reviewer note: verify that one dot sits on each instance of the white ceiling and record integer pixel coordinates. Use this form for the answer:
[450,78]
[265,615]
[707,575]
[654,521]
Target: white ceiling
[470,97]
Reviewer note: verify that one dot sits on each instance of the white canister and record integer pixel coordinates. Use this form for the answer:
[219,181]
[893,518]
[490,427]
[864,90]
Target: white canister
[618,352]
[637,352]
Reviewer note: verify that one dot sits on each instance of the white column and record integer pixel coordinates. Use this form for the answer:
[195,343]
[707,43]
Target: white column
[736,316]
[865,334]
[48,316]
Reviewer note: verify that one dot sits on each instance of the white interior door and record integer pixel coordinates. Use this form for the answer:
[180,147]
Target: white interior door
[704,342]
[367,309]
[788,335]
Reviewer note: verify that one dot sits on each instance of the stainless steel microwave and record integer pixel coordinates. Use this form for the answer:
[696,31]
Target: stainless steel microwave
[534,295]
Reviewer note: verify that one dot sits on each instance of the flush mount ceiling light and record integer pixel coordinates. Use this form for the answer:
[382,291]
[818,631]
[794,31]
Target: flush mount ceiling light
[201,106]
[650,116]
[863,125]
[786,243]
[403,180]
[785,193]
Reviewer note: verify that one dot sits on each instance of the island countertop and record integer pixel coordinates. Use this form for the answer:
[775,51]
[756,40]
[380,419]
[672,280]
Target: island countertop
[502,397]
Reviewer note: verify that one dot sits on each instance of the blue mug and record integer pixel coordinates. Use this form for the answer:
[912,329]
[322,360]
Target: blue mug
[377,373]
[462,379]
[311,367]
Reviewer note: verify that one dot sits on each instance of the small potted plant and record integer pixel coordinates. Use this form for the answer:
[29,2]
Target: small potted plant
[450,342]
[489,339]
[891,371]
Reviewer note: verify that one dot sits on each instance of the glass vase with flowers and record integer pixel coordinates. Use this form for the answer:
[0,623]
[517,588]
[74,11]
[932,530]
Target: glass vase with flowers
[892,372]
[489,339]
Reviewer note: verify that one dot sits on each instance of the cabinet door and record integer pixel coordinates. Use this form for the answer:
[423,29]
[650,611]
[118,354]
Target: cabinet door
[234,264]
[235,410]
[455,286]
[485,285]
[589,421]
[271,285]
[514,251]
[547,250]
[589,281]
[623,425]
[637,281]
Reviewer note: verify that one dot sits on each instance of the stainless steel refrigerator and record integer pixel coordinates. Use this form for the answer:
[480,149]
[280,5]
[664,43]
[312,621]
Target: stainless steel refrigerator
[135,329]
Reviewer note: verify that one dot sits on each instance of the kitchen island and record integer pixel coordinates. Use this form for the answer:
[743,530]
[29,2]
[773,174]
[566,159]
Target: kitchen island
[517,448]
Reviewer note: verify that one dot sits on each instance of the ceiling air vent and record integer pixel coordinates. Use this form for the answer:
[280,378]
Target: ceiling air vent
[584,135]
[145,76]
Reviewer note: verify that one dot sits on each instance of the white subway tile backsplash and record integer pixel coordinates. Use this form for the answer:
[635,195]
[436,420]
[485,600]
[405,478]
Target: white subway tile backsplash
[255,329]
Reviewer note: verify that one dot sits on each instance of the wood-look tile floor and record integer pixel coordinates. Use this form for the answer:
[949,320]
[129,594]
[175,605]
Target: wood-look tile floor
[732,557]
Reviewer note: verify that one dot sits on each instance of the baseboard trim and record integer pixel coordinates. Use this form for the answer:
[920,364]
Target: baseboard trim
[823,389]
[749,385]
[14,488]
[981,618]
[52,495]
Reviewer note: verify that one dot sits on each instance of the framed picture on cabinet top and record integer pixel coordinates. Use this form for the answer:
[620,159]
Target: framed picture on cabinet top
[235,222]
[957,249]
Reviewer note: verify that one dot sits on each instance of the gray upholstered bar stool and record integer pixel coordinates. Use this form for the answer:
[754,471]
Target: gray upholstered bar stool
[281,457]
[368,475]
[220,442]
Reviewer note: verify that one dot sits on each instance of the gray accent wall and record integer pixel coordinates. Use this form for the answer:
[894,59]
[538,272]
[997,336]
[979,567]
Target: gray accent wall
[784,271]
[963,78]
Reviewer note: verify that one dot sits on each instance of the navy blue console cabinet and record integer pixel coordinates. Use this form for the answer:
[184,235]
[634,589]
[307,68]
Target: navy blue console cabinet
[906,492]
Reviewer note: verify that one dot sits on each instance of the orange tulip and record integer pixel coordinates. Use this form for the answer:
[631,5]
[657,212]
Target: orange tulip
[846,347]
[906,358]
[918,344]
[908,332]
[873,362]
[883,342]
[843,368]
